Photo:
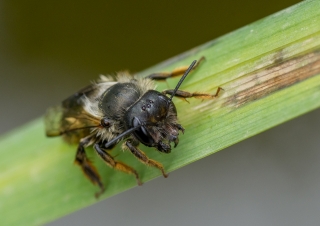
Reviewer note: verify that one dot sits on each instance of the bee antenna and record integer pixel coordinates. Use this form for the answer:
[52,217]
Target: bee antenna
[183,77]
[114,140]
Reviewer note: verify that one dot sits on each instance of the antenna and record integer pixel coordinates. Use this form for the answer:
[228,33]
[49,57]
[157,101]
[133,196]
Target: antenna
[183,77]
[114,140]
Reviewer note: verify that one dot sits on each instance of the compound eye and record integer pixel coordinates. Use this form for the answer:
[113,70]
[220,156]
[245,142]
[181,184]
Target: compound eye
[163,99]
[142,134]
[136,122]
[105,122]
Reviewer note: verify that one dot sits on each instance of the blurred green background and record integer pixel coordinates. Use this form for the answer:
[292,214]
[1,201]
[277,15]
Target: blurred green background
[50,49]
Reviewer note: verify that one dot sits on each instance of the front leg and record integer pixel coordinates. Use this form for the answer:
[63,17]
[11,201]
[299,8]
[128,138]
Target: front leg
[185,94]
[162,76]
[143,157]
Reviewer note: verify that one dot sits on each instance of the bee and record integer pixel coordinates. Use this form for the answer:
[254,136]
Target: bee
[124,109]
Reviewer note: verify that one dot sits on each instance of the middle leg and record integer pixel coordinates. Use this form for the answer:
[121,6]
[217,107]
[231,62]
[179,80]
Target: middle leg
[109,160]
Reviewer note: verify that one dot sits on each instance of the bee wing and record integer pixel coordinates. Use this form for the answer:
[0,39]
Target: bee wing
[71,116]
[52,120]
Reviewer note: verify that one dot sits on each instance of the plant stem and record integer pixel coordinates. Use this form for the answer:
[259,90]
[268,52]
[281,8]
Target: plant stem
[269,71]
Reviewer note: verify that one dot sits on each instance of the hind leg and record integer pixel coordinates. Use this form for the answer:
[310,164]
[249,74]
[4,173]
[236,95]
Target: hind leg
[88,168]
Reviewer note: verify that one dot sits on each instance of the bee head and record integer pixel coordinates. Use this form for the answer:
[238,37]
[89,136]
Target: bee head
[152,108]
[156,115]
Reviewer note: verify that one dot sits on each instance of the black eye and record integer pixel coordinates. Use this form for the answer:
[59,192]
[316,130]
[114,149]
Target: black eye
[163,99]
[105,122]
[142,133]
[143,108]
[148,105]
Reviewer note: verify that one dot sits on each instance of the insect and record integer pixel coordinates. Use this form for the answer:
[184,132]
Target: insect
[125,108]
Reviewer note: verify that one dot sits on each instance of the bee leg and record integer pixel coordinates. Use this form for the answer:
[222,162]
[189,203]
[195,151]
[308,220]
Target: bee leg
[143,157]
[161,76]
[88,168]
[108,159]
[184,94]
